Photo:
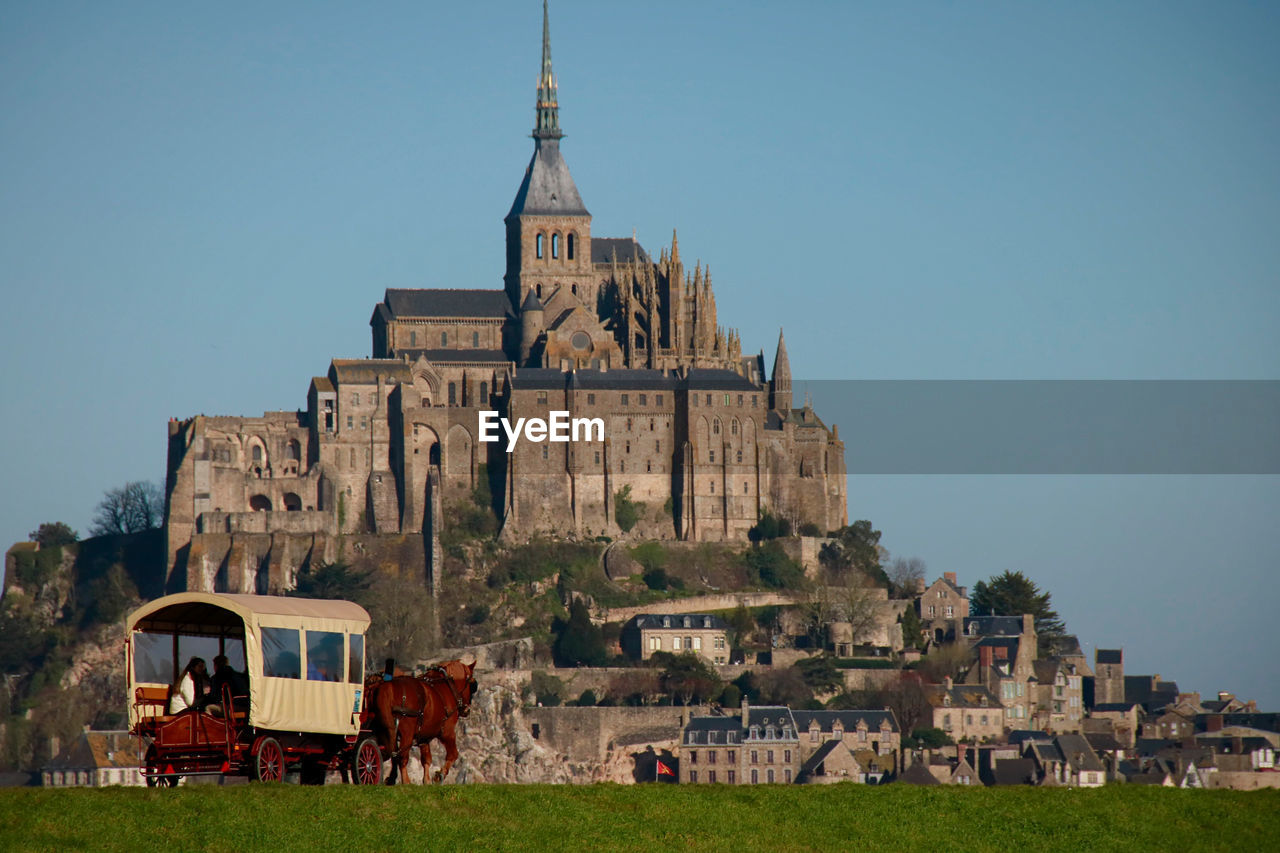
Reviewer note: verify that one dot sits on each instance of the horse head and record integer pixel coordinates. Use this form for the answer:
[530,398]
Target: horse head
[462,678]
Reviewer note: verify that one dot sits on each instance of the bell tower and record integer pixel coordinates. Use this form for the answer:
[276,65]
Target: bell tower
[548,227]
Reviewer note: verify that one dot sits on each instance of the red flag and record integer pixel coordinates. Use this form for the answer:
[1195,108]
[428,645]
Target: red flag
[664,769]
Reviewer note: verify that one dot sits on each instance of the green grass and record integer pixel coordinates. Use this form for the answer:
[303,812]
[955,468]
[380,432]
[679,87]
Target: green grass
[642,818]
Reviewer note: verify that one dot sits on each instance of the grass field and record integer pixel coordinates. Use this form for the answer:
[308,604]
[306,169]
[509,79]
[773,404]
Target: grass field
[644,817]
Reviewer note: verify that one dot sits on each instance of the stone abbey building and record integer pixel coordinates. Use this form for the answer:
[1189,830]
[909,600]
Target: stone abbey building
[695,431]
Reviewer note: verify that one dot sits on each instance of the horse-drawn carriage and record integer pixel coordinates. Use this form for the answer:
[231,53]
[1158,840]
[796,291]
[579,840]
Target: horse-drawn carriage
[307,704]
[304,662]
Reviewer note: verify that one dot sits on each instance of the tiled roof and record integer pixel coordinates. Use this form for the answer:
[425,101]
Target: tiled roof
[365,371]
[94,750]
[848,720]
[918,774]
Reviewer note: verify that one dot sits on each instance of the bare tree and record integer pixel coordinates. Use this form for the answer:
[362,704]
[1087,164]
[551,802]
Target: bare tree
[904,572]
[401,614]
[859,605]
[943,661]
[132,508]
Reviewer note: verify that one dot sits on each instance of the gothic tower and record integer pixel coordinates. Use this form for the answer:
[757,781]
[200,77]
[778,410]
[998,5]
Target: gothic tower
[548,228]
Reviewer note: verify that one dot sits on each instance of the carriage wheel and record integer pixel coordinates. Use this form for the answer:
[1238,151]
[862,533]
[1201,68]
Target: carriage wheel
[268,764]
[366,763]
[153,770]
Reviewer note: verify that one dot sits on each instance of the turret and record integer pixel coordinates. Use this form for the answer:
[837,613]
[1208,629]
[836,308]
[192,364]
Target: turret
[532,317]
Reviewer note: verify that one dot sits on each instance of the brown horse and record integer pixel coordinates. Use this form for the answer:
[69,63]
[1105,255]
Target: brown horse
[411,709]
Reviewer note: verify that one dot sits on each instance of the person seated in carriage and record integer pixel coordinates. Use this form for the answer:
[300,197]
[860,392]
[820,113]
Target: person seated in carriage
[224,673]
[192,687]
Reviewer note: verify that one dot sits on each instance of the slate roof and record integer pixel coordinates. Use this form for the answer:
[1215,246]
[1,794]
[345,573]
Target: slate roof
[962,696]
[1139,690]
[548,188]
[994,626]
[1122,707]
[918,774]
[1103,741]
[1267,721]
[1110,656]
[811,764]
[778,716]
[697,732]
[603,248]
[1078,754]
[365,371]
[718,379]
[441,302]
[624,379]
[848,720]
[1011,771]
[701,621]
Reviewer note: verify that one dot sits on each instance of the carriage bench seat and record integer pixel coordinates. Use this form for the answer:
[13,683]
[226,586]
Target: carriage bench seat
[152,703]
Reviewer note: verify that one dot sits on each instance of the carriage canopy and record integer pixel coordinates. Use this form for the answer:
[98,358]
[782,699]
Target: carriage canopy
[304,657]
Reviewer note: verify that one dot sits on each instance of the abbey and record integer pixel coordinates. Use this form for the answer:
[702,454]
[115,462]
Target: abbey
[695,432]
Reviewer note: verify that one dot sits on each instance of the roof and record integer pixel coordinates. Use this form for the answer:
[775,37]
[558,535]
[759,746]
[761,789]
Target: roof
[848,720]
[193,611]
[94,750]
[918,774]
[444,302]
[365,371]
[322,384]
[1150,693]
[1078,754]
[811,764]
[994,626]
[649,621]
[1011,771]
[440,356]
[623,379]
[962,696]
[718,379]
[1103,741]
[603,250]
[1113,707]
[1110,656]
[548,188]
[772,715]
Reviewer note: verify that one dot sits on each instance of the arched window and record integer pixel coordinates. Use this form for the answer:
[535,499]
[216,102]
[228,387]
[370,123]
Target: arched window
[538,245]
[555,245]
[484,392]
[570,247]
[293,451]
[257,453]
[538,288]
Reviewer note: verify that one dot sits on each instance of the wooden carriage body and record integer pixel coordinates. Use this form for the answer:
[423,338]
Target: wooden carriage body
[303,660]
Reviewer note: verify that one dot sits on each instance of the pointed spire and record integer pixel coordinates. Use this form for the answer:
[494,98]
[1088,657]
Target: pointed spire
[675,246]
[780,384]
[548,126]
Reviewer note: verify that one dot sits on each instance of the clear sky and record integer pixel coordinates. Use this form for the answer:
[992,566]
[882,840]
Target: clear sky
[200,206]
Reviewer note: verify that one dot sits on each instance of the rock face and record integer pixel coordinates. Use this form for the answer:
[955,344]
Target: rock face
[497,745]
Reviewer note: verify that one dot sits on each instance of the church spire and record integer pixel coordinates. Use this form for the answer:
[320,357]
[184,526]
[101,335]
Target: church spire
[548,126]
[780,385]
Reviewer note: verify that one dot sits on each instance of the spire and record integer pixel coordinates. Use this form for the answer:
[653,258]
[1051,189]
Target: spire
[780,385]
[548,126]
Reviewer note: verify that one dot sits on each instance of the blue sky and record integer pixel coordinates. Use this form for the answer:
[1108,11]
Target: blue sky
[201,206]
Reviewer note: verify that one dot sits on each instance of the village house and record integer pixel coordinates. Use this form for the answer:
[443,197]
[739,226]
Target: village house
[1006,650]
[965,711]
[835,762]
[700,633]
[857,730]
[95,759]
[1059,695]
[943,607]
[1066,760]
[760,746]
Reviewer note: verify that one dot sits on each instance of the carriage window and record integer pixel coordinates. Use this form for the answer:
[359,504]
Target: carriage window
[153,658]
[190,646]
[280,653]
[355,660]
[324,656]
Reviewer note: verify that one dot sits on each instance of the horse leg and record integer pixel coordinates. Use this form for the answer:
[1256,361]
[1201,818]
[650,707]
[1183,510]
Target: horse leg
[450,742]
[424,752]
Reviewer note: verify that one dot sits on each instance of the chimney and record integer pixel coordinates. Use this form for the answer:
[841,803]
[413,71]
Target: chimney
[947,683]
[984,656]
[1224,696]
[1028,625]
[1213,723]
[1002,653]
[920,586]
[746,710]
[951,576]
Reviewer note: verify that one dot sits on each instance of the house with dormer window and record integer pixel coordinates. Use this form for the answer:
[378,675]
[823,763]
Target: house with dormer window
[701,633]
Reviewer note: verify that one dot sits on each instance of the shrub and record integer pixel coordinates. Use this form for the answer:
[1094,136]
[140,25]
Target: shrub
[769,527]
[546,689]
[626,512]
[587,699]
[810,529]
[770,566]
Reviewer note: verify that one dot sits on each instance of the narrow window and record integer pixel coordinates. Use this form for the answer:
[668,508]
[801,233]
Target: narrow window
[453,393]
[444,339]
[657,399]
[571,247]
[555,245]
[644,399]
[355,399]
[538,250]
[413,339]
[484,392]
[739,455]
[475,339]
[626,401]
[715,427]
[591,399]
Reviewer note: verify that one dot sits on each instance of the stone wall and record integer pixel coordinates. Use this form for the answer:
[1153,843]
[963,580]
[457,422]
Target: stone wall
[702,604]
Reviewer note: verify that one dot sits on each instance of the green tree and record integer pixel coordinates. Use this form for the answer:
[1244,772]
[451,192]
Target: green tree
[53,533]
[855,547]
[626,512]
[547,690]
[927,738]
[770,566]
[912,629]
[587,699]
[769,526]
[742,624]
[336,580]
[578,641]
[1014,594]
[687,677]
[821,674]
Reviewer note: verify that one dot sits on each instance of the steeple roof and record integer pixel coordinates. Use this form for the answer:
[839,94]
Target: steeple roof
[782,364]
[548,188]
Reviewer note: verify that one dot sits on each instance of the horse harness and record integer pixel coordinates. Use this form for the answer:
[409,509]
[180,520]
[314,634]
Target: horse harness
[434,675]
